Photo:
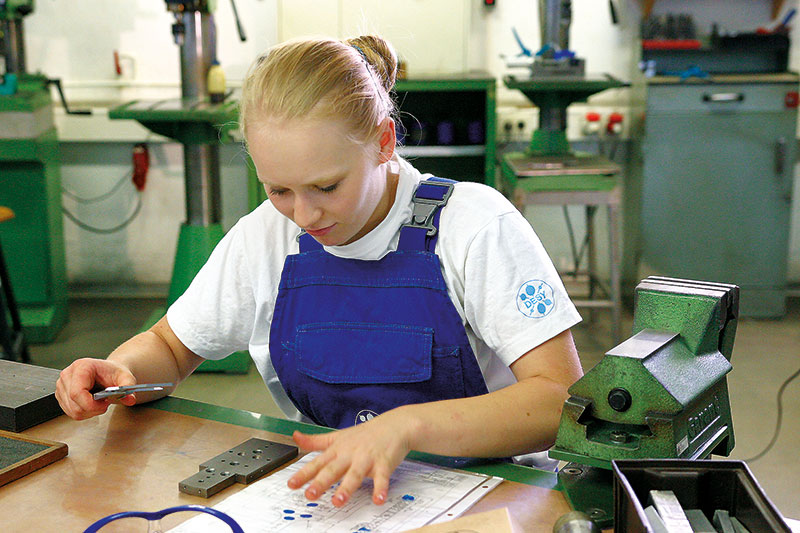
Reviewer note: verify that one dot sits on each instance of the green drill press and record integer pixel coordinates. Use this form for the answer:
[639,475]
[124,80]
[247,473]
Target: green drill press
[662,393]
[548,171]
[30,184]
[557,79]
[199,125]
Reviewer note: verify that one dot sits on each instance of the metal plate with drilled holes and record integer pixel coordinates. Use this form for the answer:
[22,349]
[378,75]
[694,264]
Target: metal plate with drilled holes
[243,464]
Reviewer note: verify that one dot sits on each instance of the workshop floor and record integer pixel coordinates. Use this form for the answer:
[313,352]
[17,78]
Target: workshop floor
[766,353]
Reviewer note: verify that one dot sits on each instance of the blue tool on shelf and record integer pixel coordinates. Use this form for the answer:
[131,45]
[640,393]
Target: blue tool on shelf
[9,84]
[524,50]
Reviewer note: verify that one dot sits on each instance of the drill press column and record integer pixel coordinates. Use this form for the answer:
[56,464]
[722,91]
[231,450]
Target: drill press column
[194,33]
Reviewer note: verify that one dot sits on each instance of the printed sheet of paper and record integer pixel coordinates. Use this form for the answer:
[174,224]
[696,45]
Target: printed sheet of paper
[419,494]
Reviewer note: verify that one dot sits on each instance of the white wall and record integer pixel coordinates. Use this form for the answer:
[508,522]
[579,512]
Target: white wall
[75,41]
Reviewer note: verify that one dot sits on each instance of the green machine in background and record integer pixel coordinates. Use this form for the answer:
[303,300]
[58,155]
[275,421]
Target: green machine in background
[199,125]
[556,79]
[30,184]
[549,171]
[662,393]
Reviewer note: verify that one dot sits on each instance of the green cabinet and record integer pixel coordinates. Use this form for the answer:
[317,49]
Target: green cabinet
[718,164]
[30,184]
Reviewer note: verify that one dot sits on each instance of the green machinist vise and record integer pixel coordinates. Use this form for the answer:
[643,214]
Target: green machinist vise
[662,393]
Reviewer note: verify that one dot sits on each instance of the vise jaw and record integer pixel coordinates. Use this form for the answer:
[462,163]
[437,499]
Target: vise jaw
[662,393]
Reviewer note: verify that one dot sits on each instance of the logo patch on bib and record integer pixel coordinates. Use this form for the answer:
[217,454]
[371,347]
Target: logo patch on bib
[365,415]
[535,299]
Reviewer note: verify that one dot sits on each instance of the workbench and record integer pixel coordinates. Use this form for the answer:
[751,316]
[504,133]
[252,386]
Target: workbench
[133,459]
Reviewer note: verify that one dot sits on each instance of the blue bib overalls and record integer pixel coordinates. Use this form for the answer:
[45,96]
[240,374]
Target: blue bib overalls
[351,339]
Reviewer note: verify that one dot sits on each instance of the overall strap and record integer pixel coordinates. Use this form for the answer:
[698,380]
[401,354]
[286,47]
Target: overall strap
[429,198]
[422,232]
[307,242]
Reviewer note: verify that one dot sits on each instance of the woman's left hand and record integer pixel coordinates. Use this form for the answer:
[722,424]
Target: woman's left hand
[372,449]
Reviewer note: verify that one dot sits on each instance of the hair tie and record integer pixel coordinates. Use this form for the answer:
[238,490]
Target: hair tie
[360,51]
[367,64]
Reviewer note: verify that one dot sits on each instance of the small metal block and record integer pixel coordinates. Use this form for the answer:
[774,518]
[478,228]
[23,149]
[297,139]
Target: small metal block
[244,464]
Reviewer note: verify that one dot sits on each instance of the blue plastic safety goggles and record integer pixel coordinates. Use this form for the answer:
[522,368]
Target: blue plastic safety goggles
[158,515]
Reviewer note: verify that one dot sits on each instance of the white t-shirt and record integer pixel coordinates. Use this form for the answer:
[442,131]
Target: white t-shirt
[498,275]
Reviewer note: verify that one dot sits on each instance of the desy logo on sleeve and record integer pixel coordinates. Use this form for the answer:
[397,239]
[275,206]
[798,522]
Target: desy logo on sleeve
[535,299]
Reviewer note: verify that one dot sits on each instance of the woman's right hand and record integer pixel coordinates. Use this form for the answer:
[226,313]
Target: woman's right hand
[76,382]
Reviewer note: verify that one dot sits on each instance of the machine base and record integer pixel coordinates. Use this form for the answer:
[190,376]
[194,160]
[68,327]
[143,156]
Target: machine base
[41,324]
[573,172]
[195,244]
[590,490]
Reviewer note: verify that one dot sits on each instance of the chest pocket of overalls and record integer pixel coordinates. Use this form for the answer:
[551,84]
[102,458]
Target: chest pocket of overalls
[351,353]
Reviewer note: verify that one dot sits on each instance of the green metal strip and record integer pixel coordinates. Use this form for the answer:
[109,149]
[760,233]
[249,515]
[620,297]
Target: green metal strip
[490,133]
[511,472]
[234,416]
[444,84]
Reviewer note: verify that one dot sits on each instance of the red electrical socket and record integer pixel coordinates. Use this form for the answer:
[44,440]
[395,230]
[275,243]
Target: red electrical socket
[614,124]
[591,126]
[141,164]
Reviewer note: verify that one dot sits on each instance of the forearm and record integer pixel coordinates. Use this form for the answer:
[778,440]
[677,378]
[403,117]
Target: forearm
[518,419]
[153,356]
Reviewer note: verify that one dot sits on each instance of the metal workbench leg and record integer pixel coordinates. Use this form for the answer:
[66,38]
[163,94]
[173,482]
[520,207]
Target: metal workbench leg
[12,339]
[591,257]
[615,271]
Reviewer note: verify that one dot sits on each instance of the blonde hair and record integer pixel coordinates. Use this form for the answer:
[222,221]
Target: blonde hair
[349,80]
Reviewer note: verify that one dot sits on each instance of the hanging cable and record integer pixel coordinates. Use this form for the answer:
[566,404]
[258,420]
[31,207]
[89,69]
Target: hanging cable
[82,200]
[778,421]
[100,197]
[113,229]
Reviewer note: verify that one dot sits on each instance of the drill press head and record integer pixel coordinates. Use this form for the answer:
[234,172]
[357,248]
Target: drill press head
[662,393]
[204,6]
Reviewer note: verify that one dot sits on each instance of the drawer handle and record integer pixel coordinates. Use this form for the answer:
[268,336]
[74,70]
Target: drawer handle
[723,97]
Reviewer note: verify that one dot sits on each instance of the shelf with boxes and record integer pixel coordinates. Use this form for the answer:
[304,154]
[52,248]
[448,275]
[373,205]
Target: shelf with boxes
[447,125]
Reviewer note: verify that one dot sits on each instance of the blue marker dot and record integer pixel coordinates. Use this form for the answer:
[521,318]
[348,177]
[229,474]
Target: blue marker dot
[288,511]
[408,497]
[305,516]
[288,518]
[312,504]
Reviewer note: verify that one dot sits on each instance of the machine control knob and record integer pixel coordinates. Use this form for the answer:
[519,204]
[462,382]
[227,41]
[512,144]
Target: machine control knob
[619,399]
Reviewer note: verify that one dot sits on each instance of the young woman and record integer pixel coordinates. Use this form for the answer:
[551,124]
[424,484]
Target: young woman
[409,312]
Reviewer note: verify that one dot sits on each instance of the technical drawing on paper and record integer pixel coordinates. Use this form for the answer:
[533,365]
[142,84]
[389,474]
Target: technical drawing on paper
[419,494]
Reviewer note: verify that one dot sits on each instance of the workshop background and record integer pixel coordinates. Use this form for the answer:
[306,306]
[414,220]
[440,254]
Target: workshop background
[110,53]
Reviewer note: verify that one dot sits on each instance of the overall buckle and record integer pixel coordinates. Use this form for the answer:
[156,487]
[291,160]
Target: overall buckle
[425,208]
